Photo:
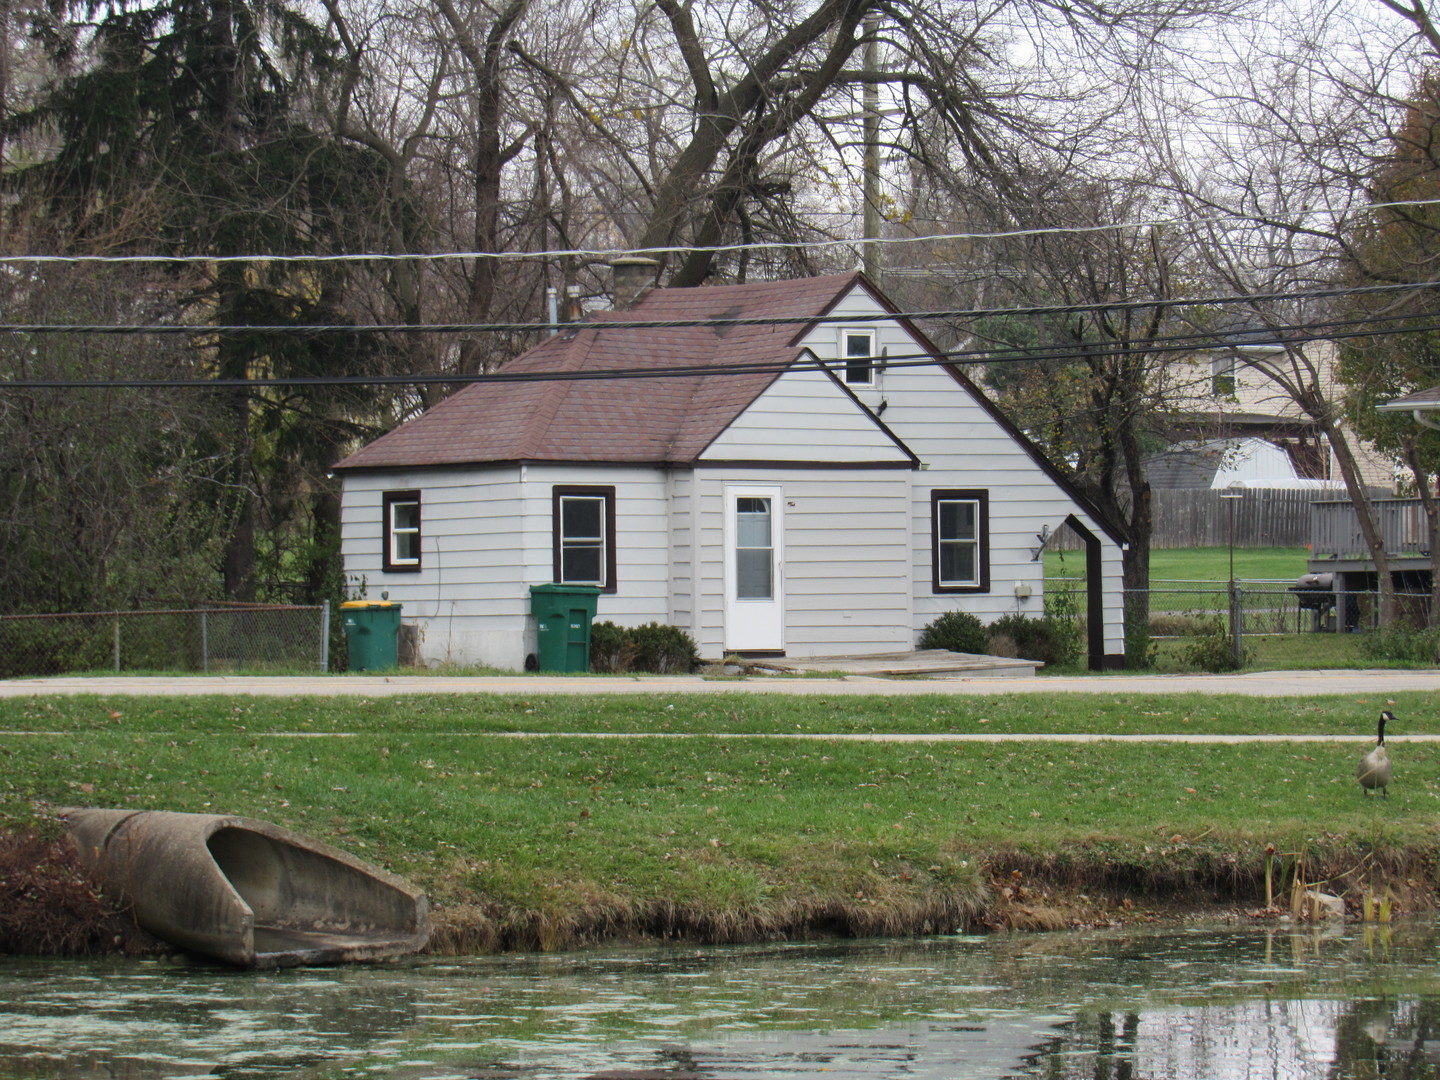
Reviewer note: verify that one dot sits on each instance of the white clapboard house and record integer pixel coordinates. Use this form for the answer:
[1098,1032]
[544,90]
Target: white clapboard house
[810,481]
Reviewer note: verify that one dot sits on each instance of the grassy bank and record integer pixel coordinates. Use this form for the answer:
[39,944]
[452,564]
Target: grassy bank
[538,823]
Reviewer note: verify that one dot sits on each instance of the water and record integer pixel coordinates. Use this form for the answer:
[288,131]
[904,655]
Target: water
[1188,1004]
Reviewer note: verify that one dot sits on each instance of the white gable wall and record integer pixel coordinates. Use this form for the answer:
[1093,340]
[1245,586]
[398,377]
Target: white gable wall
[804,416]
[845,578]
[962,447]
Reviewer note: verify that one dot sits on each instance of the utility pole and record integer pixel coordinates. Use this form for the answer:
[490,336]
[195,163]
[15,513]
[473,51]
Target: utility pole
[1231,495]
[871,101]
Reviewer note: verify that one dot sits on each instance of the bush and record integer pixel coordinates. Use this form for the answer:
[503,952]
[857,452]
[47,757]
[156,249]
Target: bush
[663,649]
[1051,641]
[1064,606]
[958,631]
[55,646]
[610,650]
[1402,644]
[653,648]
[1140,648]
[1214,651]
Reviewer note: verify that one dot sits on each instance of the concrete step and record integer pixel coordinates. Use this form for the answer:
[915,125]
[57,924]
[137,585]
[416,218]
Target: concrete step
[931,663]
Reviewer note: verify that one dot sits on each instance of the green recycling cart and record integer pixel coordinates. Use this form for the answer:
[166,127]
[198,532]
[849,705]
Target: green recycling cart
[372,628]
[563,614]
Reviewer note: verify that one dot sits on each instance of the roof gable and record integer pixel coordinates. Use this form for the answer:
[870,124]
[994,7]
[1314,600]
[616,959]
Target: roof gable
[595,393]
[923,344]
[600,399]
[808,415]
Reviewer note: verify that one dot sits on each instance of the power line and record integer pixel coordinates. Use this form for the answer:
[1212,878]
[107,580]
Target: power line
[719,249]
[717,322]
[1279,337]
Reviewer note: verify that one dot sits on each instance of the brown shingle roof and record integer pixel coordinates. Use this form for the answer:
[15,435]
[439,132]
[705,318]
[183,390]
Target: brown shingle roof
[668,419]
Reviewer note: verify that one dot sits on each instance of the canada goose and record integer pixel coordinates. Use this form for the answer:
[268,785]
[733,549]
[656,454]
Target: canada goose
[1374,771]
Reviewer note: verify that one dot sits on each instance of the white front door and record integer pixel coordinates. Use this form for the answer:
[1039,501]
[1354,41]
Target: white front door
[754,569]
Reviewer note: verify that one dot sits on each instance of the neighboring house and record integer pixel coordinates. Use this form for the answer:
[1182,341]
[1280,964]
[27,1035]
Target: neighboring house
[1222,395]
[1215,464]
[721,479]
[1423,405]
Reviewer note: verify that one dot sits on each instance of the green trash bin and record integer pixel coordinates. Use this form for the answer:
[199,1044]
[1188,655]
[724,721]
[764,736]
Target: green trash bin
[372,628]
[563,614]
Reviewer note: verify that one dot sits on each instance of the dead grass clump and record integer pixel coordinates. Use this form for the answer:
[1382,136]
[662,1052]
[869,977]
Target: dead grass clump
[1003,645]
[1176,869]
[467,928]
[463,929]
[49,908]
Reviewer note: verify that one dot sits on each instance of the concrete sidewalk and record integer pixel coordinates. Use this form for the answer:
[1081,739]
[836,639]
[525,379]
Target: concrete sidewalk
[1375,684]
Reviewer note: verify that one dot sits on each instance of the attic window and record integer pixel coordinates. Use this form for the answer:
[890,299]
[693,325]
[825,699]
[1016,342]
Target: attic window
[584,536]
[858,348]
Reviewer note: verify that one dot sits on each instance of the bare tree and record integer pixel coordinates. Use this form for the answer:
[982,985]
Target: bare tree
[1276,176]
[1086,384]
[1398,243]
[762,101]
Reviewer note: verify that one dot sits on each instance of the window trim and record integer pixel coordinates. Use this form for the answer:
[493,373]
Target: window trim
[388,501]
[981,497]
[606,493]
[1222,375]
[871,366]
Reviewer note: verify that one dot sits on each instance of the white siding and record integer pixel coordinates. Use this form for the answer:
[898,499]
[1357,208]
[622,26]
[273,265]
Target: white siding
[486,537]
[961,446]
[469,599]
[804,416]
[846,575]
[682,561]
[642,537]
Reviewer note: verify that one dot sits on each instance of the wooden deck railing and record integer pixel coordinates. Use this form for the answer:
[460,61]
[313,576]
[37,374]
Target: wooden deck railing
[1335,529]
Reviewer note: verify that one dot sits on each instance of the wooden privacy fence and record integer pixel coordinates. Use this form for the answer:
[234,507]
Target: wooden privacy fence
[1264,517]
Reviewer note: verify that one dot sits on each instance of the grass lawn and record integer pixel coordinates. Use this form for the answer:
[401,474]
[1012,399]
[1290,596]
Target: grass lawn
[1188,599]
[1199,564]
[725,830]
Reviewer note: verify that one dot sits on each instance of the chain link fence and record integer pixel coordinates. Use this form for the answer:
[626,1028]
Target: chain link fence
[249,637]
[1272,624]
[1185,609]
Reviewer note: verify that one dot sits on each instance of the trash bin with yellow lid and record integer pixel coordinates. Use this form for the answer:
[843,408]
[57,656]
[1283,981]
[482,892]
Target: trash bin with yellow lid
[372,628]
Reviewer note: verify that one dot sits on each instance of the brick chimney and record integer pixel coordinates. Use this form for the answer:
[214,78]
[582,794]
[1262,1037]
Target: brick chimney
[631,277]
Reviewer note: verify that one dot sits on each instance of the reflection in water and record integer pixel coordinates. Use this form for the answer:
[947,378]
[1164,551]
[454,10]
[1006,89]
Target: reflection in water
[1191,1004]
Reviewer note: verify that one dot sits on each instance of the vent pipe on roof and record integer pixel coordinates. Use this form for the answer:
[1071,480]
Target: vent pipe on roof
[631,277]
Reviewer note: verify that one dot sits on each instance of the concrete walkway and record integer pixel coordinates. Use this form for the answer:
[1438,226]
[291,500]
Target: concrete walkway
[1373,684]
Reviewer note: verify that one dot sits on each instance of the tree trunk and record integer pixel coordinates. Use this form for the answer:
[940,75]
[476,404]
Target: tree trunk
[720,115]
[489,157]
[1431,505]
[233,355]
[1370,528]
